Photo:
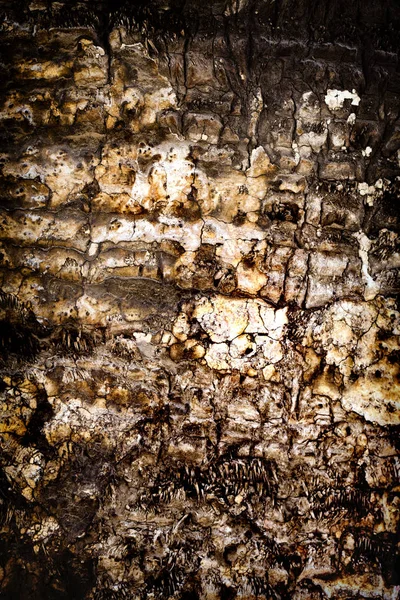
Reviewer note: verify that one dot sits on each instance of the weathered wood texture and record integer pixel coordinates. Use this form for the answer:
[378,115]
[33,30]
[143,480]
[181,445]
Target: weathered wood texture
[199,331]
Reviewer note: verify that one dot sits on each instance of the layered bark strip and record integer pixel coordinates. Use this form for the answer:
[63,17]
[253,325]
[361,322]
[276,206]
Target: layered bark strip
[199,278]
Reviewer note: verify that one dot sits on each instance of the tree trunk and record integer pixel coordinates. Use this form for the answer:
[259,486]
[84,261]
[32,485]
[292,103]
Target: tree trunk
[200,326]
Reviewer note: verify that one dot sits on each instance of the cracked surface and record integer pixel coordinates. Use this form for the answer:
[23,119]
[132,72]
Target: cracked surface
[200,328]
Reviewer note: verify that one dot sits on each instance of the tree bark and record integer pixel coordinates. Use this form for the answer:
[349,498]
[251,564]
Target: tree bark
[199,267]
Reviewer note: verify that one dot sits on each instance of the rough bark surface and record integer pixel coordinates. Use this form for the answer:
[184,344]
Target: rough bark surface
[199,271]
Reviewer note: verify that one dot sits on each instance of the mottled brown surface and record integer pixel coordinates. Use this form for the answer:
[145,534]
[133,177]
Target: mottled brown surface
[200,328]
